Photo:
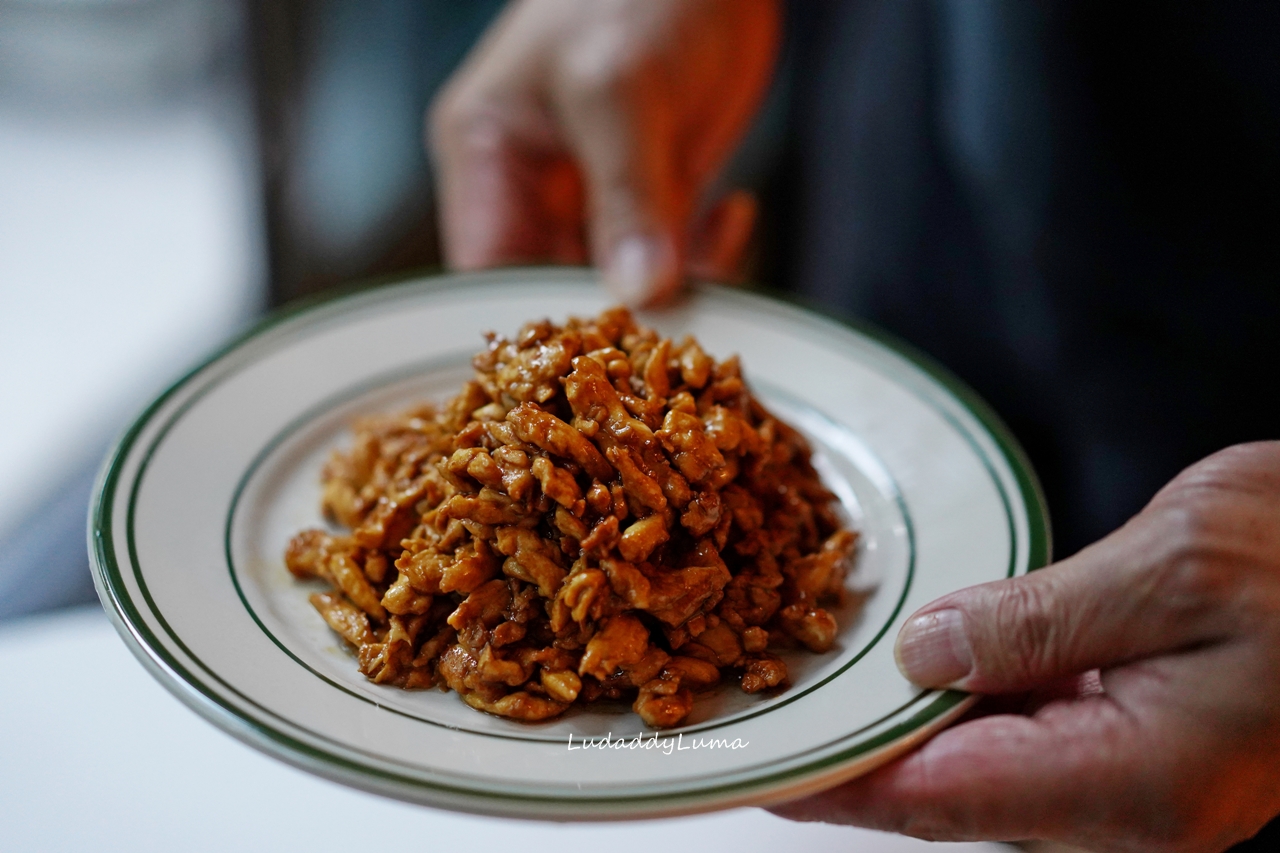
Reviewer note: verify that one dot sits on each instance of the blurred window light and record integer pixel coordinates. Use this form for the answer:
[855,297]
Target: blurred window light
[130,242]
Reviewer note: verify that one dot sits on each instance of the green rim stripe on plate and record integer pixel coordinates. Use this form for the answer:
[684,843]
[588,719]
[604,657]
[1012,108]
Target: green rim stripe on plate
[148,647]
[158,615]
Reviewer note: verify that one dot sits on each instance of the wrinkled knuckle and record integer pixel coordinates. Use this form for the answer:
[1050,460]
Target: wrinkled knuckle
[1198,585]
[1191,525]
[601,70]
[1191,565]
[460,121]
[1027,634]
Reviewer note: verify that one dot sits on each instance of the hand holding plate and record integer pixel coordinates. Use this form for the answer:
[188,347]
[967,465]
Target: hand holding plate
[1174,747]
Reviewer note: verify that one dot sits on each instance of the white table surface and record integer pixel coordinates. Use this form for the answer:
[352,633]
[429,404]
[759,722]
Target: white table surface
[97,756]
[129,248]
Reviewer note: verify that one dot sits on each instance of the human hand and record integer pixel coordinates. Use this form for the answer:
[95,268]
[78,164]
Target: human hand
[586,129]
[1177,748]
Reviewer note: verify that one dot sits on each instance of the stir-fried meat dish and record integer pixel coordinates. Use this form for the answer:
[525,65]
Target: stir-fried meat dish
[601,513]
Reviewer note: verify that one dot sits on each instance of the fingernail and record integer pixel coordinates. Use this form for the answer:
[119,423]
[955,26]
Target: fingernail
[933,650]
[638,268]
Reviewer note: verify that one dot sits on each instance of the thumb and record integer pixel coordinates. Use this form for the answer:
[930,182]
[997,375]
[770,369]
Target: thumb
[1126,597]
[638,203]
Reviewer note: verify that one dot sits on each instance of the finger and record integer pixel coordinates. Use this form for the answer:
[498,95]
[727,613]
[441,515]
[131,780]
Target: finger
[500,205]
[718,246]
[507,189]
[997,778]
[620,128]
[1129,596]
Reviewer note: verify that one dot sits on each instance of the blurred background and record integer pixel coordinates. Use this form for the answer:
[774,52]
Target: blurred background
[168,170]
[131,243]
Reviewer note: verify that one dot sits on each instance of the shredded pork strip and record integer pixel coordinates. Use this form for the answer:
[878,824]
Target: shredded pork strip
[601,513]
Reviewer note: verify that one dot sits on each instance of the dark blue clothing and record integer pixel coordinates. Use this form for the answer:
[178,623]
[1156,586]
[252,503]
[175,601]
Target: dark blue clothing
[1075,207]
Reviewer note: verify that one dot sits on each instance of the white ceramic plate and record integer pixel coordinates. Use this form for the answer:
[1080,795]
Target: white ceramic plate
[195,506]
